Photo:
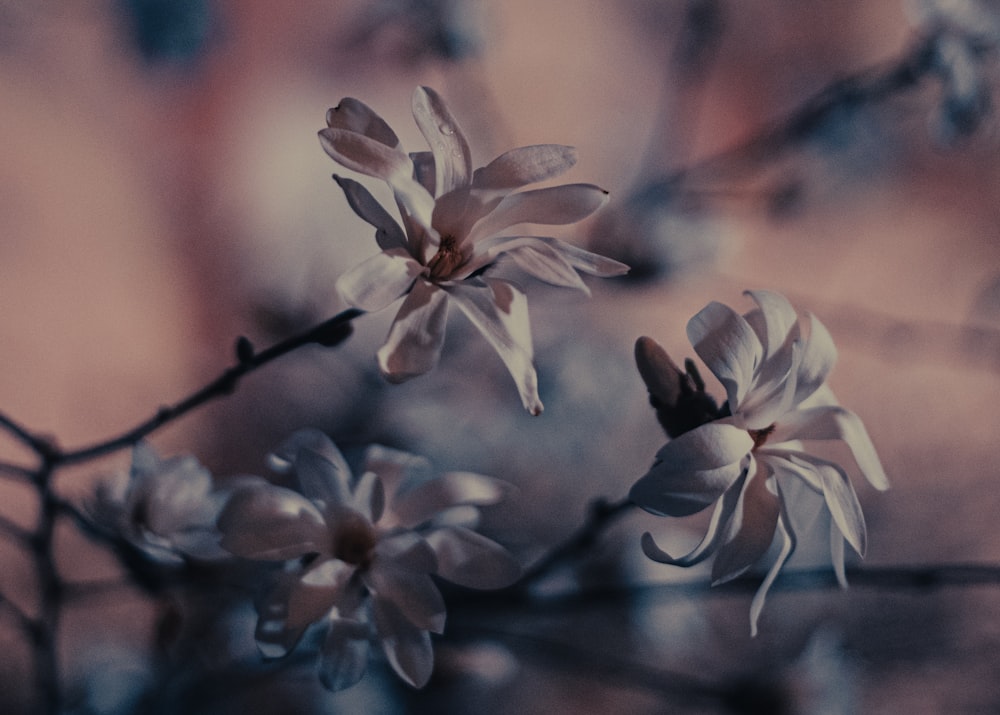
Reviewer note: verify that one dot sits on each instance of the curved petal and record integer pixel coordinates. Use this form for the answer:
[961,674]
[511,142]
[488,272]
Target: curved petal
[525,165]
[344,654]
[415,338]
[828,422]
[452,158]
[413,593]
[274,635]
[271,523]
[784,531]
[369,497]
[313,595]
[499,310]
[356,116]
[555,205]
[422,502]
[470,559]
[388,234]
[693,470]
[837,554]
[323,476]
[750,531]
[729,346]
[550,249]
[379,280]
[818,356]
[841,500]
[282,459]
[720,518]
[407,647]
[773,321]
[372,158]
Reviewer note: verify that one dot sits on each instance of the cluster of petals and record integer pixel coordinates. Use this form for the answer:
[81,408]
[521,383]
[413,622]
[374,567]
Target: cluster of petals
[361,563]
[165,508]
[458,226]
[759,462]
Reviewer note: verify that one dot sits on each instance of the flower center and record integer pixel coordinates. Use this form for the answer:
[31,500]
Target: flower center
[759,436]
[447,258]
[353,542]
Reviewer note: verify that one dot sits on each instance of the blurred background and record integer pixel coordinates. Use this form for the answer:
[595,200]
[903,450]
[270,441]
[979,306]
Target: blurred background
[162,191]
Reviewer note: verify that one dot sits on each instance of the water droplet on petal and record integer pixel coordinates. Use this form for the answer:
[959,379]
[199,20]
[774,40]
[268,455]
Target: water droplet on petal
[446,129]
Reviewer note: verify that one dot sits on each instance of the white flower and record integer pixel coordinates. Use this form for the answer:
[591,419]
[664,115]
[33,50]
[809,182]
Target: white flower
[762,448]
[166,508]
[365,564]
[456,226]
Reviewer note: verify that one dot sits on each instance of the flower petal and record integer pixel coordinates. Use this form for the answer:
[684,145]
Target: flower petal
[720,518]
[555,205]
[316,592]
[379,280]
[567,256]
[773,320]
[470,559]
[407,647]
[417,333]
[271,523]
[413,593]
[344,654]
[524,165]
[818,356]
[841,500]
[834,422]
[729,346]
[693,470]
[369,497]
[422,502]
[388,234]
[452,158]
[784,531]
[750,531]
[356,116]
[500,312]
[373,158]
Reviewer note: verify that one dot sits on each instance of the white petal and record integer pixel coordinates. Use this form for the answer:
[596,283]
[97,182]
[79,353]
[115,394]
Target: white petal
[273,635]
[323,477]
[282,459]
[407,647]
[452,159]
[407,550]
[317,592]
[379,280]
[271,523]
[489,250]
[369,497]
[470,559]
[500,311]
[524,165]
[356,116]
[720,518]
[424,501]
[417,333]
[818,357]
[397,469]
[750,530]
[834,422]
[837,554]
[372,158]
[693,470]
[773,321]
[414,594]
[729,347]
[388,234]
[841,500]
[344,654]
[787,547]
[556,205]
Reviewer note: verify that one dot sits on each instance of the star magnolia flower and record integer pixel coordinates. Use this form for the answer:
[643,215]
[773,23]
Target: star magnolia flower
[166,508]
[755,458]
[455,229]
[365,563]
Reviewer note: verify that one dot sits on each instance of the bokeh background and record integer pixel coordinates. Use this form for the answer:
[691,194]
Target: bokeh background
[162,191]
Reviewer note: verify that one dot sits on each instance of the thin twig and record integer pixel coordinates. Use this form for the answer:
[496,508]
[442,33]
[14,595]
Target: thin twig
[329,333]
[602,514]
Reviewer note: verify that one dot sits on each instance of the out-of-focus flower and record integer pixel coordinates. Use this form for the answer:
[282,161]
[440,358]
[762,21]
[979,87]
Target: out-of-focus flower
[763,446]
[457,226]
[364,561]
[166,508]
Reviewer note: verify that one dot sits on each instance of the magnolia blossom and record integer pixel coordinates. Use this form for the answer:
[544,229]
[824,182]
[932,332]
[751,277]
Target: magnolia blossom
[166,508]
[757,461]
[364,563]
[457,225]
